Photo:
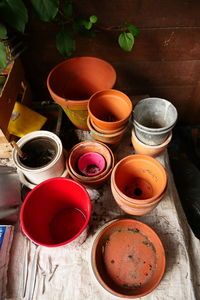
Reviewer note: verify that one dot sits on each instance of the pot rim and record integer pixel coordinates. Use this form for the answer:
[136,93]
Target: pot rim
[33,135]
[38,187]
[154,130]
[84,101]
[166,142]
[149,158]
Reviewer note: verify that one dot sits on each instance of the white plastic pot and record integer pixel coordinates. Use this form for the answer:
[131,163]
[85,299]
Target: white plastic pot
[54,168]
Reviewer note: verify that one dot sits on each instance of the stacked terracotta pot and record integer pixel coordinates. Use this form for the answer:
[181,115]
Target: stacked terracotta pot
[109,112]
[80,171]
[138,183]
[153,120]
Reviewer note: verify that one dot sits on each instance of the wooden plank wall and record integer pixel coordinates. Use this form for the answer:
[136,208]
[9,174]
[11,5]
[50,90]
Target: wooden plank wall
[165,61]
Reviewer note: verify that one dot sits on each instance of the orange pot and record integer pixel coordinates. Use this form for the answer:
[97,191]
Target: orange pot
[109,109]
[128,258]
[107,131]
[84,147]
[89,146]
[153,151]
[139,178]
[72,82]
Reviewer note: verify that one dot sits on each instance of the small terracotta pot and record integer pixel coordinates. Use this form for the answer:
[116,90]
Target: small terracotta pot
[128,258]
[139,178]
[153,150]
[107,138]
[90,146]
[72,82]
[109,109]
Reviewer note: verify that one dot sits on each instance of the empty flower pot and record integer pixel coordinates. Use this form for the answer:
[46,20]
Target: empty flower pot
[109,109]
[151,150]
[72,82]
[105,131]
[139,180]
[83,148]
[91,164]
[127,258]
[64,208]
[154,118]
[43,158]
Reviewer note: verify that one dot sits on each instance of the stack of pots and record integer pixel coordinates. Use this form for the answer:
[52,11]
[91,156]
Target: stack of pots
[72,82]
[153,121]
[109,112]
[138,183]
[90,155]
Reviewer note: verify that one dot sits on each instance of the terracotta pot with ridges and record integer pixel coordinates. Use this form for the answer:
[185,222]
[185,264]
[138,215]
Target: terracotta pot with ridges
[109,109]
[72,82]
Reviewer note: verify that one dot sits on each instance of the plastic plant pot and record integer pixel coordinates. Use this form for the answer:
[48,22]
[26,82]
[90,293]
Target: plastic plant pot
[91,164]
[55,212]
[72,82]
[127,258]
[109,109]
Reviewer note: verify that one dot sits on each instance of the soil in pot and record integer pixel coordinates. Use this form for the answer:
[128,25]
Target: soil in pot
[39,152]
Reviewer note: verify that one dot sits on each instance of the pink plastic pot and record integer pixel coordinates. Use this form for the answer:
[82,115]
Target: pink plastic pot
[91,163]
[55,212]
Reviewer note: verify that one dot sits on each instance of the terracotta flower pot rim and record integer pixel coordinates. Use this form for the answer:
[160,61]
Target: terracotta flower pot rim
[105,135]
[84,101]
[140,156]
[137,203]
[99,235]
[105,124]
[98,129]
[165,143]
[93,178]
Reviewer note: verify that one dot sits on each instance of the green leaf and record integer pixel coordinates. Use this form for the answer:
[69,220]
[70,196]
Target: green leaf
[93,19]
[14,13]
[133,29]
[46,9]
[126,41]
[87,25]
[3,32]
[3,58]
[68,10]
[65,43]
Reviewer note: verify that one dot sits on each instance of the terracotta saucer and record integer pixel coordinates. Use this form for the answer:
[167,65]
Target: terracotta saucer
[128,258]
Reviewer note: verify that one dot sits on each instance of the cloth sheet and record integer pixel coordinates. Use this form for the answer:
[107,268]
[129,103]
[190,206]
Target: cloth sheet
[64,273]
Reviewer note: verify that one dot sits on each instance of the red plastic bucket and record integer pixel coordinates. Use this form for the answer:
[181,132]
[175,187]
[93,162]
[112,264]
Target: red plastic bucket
[55,212]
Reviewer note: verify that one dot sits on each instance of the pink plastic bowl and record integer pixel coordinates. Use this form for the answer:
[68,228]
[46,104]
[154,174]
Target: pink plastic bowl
[91,164]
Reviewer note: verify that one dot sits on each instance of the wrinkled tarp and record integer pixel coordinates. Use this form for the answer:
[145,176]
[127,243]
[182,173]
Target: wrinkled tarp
[64,273]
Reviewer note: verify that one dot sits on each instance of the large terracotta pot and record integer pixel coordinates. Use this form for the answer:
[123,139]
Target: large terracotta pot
[127,259]
[72,82]
[109,109]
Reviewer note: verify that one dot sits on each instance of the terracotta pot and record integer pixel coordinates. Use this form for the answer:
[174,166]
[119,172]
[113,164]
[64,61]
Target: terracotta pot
[128,258]
[139,178]
[89,146]
[84,147]
[132,208]
[72,82]
[107,138]
[109,109]
[153,151]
